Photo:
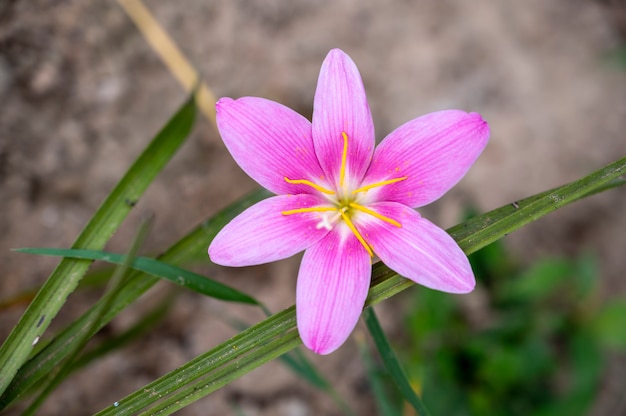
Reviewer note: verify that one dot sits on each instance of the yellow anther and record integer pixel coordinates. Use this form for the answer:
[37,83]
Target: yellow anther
[377,184]
[311,209]
[375,214]
[309,183]
[356,233]
[344,158]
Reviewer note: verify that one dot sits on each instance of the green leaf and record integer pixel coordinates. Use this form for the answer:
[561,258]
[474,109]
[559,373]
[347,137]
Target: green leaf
[63,370]
[277,334]
[527,210]
[377,382]
[174,274]
[483,230]
[208,372]
[100,228]
[105,221]
[392,363]
[471,235]
[189,247]
[297,362]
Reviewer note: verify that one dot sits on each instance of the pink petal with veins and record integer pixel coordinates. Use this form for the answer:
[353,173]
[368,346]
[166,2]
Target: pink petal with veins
[433,151]
[419,250]
[269,142]
[262,234]
[332,286]
[340,105]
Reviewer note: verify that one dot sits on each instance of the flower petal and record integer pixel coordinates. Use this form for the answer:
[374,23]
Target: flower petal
[270,142]
[262,234]
[332,286]
[433,151]
[419,250]
[340,105]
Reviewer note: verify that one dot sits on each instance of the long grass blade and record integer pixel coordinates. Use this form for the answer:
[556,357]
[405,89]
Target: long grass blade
[174,274]
[190,247]
[62,371]
[277,334]
[392,363]
[216,365]
[375,378]
[64,279]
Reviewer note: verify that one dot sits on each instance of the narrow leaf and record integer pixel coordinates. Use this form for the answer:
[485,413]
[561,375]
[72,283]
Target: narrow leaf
[192,246]
[211,370]
[63,370]
[105,221]
[217,367]
[483,230]
[383,404]
[297,362]
[174,274]
[392,363]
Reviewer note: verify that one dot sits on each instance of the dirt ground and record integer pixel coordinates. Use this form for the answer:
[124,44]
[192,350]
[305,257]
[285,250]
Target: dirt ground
[82,93]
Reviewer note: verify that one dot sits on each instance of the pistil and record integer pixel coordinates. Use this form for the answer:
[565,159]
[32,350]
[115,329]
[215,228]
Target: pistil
[343,201]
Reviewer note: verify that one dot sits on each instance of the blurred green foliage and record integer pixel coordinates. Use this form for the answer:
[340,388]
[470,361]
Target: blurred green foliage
[528,342]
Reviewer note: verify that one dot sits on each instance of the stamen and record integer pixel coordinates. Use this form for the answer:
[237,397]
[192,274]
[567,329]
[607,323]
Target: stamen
[375,214]
[309,183]
[356,233]
[377,184]
[344,158]
[311,209]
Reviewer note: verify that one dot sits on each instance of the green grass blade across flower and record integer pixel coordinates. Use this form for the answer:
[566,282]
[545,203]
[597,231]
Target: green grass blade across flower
[298,363]
[51,297]
[213,369]
[246,351]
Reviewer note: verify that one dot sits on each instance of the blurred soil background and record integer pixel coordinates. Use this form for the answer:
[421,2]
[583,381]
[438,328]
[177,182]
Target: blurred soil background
[82,93]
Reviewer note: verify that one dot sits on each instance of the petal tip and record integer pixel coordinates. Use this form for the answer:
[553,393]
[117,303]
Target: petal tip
[464,285]
[337,52]
[338,58]
[223,102]
[481,123]
[477,116]
[319,346]
[219,254]
[214,254]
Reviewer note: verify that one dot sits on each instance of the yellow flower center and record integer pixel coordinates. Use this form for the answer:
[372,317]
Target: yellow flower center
[345,203]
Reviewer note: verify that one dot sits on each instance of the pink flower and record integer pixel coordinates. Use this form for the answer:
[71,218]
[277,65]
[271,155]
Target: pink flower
[341,200]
